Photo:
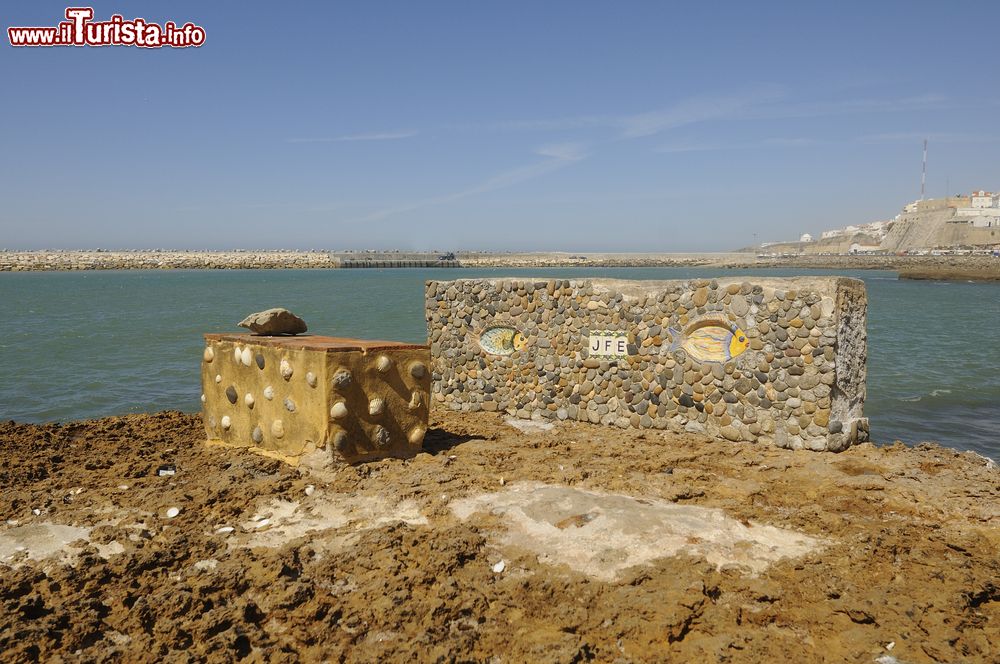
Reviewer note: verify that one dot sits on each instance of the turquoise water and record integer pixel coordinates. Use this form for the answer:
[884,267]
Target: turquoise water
[88,344]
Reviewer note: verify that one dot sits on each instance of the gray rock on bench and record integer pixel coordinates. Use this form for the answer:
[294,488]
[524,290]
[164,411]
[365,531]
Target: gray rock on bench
[274,322]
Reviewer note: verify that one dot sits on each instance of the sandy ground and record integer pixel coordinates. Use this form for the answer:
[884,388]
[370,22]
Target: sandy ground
[496,545]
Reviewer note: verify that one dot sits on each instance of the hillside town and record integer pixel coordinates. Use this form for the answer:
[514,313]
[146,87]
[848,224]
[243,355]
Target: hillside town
[955,224]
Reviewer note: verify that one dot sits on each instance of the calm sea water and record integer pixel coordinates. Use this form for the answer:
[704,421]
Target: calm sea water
[88,344]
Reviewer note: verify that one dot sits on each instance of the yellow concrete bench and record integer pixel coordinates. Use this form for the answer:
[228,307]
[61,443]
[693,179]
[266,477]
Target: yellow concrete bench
[315,399]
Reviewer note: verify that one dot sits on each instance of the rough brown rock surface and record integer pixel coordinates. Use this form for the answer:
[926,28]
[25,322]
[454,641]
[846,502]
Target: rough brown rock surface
[391,574]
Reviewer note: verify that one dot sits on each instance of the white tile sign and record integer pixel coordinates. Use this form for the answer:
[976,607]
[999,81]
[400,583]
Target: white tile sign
[607,343]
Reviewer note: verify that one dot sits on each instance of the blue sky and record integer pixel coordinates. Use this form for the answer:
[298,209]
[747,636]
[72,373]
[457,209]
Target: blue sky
[577,126]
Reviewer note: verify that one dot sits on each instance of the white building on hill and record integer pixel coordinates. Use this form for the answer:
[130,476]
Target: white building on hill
[806,238]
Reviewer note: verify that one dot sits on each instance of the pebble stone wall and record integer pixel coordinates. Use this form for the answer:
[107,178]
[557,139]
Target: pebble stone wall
[799,384]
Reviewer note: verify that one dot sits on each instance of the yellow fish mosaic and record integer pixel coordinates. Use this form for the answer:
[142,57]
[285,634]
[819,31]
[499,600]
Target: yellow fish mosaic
[501,340]
[710,341]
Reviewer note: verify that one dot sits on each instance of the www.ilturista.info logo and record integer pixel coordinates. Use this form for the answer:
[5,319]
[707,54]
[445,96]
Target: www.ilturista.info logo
[80,30]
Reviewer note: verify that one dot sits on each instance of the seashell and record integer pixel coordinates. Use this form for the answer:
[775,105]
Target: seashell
[380,436]
[231,394]
[172,512]
[286,369]
[249,400]
[499,567]
[416,435]
[341,379]
[311,379]
[310,490]
[338,410]
[416,400]
[383,363]
[224,530]
[268,392]
[246,357]
[376,406]
[226,422]
[278,429]
[257,435]
[203,399]
[237,354]
[218,378]
[289,405]
[209,354]
[418,370]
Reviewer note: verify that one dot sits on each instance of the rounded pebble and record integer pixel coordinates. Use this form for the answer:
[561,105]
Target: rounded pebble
[231,394]
[257,435]
[338,410]
[418,370]
[268,392]
[286,369]
[249,400]
[311,379]
[289,405]
[226,422]
[416,435]
[172,512]
[278,429]
[209,354]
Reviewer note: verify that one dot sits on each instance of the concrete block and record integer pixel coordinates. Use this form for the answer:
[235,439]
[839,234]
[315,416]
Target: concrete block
[315,399]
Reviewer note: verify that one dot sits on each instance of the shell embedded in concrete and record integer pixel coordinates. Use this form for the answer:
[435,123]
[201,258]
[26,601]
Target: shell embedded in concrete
[286,369]
[338,410]
[246,357]
[249,400]
[226,422]
[376,406]
[203,398]
[237,354]
[311,379]
[341,379]
[416,435]
[383,363]
[257,435]
[278,429]
[416,400]
[418,369]
[209,354]
[289,405]
[268,392]
[218,378]
[380,436]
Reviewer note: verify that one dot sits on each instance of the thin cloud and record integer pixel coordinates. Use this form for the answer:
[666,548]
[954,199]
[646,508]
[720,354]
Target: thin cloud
[381,136]
[691,111]
[557,156]
[675,148]
[917,137]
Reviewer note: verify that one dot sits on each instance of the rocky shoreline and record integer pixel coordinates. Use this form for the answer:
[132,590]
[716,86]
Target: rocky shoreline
[640,547]
[971,267]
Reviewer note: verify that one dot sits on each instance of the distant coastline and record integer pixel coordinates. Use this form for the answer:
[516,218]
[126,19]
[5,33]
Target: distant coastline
[972,267]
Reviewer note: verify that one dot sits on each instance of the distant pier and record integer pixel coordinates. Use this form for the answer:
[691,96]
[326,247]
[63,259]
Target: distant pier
[363,263]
